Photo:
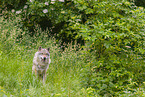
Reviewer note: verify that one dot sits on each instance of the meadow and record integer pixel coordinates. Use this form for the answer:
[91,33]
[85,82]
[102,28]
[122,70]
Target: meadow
[97,48]
[16,59]
[63,76]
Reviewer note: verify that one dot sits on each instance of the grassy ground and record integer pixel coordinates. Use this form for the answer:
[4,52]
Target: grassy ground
[16,59]
[63,76]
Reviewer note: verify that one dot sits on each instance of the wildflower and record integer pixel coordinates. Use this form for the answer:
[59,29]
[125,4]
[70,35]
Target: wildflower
[78,19]
[17,12]
[25,6]
[52,1]
[31,0]
[61,0]
[13,10]
[45,11]
[46,3]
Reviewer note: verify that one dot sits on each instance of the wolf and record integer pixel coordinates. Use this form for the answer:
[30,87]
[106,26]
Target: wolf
[41,63]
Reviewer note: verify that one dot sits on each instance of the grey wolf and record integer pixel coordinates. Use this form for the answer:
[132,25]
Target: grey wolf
[41,63]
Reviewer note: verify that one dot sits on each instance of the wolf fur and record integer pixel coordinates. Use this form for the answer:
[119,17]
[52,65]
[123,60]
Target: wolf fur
[41,63]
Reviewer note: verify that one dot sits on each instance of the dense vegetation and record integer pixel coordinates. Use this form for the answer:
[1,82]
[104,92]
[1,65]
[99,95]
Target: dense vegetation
[97,47]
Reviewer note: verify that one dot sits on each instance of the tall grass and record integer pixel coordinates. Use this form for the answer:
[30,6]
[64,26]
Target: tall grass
[16,56]
[62,76]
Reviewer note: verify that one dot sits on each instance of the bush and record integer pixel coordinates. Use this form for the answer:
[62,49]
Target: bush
[115,75]
[111,27]
[86,20]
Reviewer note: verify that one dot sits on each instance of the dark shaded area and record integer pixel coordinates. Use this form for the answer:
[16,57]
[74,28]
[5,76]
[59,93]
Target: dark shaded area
[139,2]
[13,4]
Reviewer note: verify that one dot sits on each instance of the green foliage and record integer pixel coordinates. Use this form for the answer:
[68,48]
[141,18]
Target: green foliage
[111,26]
[86,20]
[111,63]
[114,76]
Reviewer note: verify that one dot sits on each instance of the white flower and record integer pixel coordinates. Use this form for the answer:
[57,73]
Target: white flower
[46,3]
[52,1]
[17,12]
[45,11]
[78,19]
[25,6]
[61,0]
[13,10]
[31,0]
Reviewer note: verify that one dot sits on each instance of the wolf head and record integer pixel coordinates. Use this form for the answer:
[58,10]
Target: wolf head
[44,54]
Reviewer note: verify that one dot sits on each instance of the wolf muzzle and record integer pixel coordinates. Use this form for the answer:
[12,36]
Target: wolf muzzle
[44,59]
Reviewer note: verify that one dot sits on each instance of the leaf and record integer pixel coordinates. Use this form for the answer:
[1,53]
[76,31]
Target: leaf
[107,45]
[111,84]
[89,11]
[142,50]
[104,86]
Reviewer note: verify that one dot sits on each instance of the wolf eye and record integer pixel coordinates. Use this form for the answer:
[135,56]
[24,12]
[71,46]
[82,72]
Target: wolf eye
[41,53]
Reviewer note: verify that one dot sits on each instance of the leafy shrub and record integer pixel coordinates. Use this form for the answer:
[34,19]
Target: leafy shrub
[111,27]
[82,19]
[114,33]
[115,75]
[114,25]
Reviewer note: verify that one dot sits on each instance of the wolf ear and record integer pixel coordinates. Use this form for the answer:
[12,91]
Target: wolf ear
[48,49]
[39,49]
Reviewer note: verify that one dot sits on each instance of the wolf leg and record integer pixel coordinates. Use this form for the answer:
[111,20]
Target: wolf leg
[44,76]
[34,70]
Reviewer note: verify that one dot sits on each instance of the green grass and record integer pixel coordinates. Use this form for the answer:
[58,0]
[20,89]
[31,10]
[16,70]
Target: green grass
[16,59]
[63,76]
